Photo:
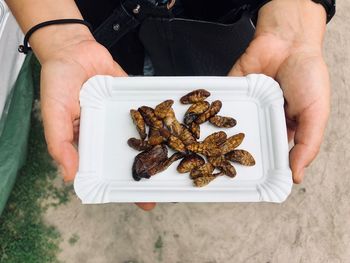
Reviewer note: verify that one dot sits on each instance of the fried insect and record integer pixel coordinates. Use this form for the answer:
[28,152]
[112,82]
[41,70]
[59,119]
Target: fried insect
[186,136]
[223,122]
[150,118]
[172,141]
[228,169]
[240,156]
[204,148]
[204,180]
[190,162]
[195,96]
[195,110]
[232,142]
[216,161]
[214,108]
[139,122]
[162,109]
[153,132]
[156,140]
[165,130]
[176,144]
[175,127]
[165,133]
[171,122]
[202,171]
[223,165]
[165,164]
[216,138]
[139,145]
[146,161]
[195,130]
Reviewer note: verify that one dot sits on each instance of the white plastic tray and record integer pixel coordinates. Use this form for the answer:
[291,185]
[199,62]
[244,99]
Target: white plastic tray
[255,101]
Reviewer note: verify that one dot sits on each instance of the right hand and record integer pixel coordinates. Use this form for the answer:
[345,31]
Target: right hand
[62,76]
[69,56]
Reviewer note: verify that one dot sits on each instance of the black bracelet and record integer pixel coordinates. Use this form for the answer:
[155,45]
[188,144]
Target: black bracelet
[25,48]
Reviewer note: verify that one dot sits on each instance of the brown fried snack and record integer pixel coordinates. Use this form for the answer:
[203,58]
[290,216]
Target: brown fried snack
[223,165]
[202,171]
[150,118]
[139,122]
[195,130]
[216,138]
[176,144]
[153,132]
[240,156]
[165,164]
[204,180]
[195,110]
[195,96]
[164,132]
[162,109]
[139,145]
[204,148]
[156,140]
[228,169]
[216,161]
[190,162]
[148,160]
[214,108]
[165,129]
[186,136]
[232,142]
[175,127]
[172,123]
[165,112]
[223,122]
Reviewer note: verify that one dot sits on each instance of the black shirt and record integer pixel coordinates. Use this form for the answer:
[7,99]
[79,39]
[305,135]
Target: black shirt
[96,12]
[129,51]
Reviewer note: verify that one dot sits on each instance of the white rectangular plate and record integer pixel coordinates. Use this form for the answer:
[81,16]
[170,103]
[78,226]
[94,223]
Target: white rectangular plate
[105,175]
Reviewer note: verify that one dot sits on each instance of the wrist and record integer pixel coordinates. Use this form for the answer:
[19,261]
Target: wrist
[48,41]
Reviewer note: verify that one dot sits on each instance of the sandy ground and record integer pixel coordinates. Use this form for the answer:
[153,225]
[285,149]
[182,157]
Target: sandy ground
[311,226]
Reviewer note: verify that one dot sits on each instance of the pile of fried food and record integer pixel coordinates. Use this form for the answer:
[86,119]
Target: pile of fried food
[165,130]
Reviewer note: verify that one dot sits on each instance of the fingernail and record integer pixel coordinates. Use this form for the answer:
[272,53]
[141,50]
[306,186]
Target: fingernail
[299,176]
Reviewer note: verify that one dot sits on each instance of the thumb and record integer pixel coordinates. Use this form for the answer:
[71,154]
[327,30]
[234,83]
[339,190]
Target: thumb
[246,64]
[308,137]
[58,128]
[146,206]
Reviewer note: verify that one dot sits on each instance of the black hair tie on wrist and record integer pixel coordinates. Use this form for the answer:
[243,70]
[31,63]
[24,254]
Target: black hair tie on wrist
[25,48]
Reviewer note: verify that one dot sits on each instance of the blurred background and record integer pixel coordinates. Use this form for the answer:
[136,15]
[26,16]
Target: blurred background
[43,221]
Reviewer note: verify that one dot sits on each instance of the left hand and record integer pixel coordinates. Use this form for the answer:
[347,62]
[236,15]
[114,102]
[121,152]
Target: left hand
[287,46]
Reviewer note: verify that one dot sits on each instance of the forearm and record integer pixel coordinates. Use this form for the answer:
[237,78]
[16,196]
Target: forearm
[52,38]
[297,22]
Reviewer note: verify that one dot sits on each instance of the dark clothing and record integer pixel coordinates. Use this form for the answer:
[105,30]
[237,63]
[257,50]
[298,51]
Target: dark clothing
[208,10]
[203,38]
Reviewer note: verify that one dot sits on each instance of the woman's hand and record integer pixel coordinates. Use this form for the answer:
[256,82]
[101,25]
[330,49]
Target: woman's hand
[288,47]
[69,56]
[62,76]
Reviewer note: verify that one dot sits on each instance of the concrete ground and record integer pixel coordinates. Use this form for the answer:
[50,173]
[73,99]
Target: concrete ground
[311,226]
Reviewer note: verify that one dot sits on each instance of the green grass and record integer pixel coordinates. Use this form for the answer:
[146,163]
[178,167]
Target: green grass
[73,239]
[158,248]
[24,237]
[159,243]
